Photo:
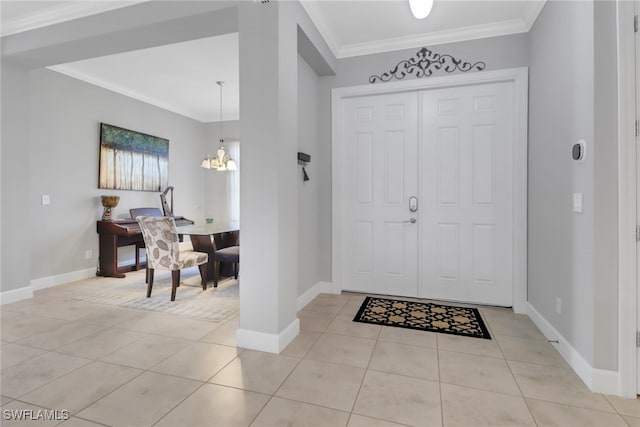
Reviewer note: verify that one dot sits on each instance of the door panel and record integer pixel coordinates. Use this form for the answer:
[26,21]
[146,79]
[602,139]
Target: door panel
[380,175]
[448,251]
[448,166]
[466,158]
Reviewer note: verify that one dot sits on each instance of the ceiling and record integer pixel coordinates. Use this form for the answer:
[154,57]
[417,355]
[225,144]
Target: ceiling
[24,15]
[181,77]
[353,28]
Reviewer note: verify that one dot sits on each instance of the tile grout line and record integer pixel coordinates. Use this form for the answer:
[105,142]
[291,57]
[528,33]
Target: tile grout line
[439,381]
[274,394]
[178,404]
[142,372]
[533,417]
[89,361]
[86,406]
[364,376]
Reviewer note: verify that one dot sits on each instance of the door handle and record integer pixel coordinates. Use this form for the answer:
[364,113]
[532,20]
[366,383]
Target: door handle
[413,204]
[412,221]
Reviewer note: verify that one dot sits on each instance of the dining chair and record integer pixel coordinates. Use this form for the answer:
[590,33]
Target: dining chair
[230,254]
[136,212]
[163,251]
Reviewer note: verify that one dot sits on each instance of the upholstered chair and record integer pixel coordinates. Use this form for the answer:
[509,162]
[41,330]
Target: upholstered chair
[163,251]
[230,254]
[136,212]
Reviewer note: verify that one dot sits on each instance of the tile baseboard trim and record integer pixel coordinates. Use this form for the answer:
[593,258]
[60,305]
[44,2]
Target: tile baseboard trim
[270,343]
[15,295]
[61,279]
[598,380]
[317,289]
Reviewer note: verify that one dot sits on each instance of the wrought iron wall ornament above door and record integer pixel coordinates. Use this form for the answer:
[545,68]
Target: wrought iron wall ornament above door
[424,64]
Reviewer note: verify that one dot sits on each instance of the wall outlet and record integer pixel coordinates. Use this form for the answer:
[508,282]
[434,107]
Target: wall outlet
[46,200]
[88,254]
[558,306]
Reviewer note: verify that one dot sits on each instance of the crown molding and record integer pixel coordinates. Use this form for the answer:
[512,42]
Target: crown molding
[70,72]
[533,13]
[318,19]
[434,38]
[58,13]
[475,32]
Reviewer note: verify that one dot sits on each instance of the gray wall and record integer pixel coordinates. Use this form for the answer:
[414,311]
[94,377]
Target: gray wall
[15,178]
[309,231]
[63,153]
[605,153]
[562,244]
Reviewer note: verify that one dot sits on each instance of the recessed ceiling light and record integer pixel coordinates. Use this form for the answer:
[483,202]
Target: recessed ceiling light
[420,8]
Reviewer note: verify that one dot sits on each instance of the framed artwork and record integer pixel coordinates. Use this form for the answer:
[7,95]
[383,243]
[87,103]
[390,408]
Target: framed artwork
[132,160]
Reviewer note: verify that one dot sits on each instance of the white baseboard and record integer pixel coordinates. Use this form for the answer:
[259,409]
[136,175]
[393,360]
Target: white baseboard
[317,289]
[61,279]
[270,343]
[15,295]
[606,382]
[598,380]
[325,288]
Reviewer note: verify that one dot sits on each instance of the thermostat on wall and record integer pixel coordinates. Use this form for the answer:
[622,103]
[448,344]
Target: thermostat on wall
[578,150]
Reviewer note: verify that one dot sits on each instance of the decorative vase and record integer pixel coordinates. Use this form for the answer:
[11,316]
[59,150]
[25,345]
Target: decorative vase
[108,202]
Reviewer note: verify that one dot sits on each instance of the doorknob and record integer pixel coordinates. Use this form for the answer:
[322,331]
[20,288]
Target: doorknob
[412,221]
[413,204]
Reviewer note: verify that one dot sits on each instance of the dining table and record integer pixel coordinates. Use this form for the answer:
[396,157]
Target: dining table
[211,236]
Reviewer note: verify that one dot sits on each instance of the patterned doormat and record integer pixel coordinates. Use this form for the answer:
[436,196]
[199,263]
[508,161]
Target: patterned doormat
[431,317]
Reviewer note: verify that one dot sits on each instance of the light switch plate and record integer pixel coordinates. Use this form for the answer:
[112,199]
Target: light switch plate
[45,200]
[577,202]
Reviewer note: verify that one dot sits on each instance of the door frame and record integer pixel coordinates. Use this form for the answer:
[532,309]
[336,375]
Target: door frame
[627,203]
[520,79]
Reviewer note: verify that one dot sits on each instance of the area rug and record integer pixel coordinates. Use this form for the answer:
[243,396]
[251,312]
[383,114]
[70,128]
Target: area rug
[431,317]
[214,304]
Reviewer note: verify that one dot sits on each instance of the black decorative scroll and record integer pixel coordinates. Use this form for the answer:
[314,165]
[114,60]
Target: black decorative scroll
[424,64]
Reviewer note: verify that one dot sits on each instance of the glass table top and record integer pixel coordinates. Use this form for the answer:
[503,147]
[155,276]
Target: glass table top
[201,228]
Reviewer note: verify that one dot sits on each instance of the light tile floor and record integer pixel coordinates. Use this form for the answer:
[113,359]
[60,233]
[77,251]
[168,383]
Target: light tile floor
[120,367]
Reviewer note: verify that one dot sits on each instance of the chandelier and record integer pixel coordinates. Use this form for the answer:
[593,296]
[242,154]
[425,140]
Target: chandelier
[221,161]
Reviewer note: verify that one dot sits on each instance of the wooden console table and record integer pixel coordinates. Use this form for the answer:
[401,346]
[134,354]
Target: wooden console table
[117,233]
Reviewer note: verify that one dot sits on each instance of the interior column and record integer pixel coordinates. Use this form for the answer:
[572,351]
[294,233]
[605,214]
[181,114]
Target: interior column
[268,173]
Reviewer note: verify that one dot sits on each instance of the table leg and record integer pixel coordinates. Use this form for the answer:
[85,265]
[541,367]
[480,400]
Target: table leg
[205,244]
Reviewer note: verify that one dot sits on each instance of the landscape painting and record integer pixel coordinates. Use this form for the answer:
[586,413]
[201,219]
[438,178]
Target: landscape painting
[132,160]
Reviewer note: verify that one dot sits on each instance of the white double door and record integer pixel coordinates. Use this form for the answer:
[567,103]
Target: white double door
[428,194]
